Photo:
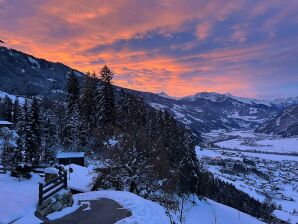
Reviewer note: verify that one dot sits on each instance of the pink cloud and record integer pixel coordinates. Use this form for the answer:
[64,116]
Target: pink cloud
[203,31]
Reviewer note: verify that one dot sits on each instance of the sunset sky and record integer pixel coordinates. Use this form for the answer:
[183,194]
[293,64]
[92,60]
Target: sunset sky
[248,48]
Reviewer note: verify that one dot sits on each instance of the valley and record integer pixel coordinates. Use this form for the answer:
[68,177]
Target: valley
[263,166]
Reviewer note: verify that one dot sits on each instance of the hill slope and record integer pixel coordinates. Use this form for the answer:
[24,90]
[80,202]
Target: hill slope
[285,123]
[23,74]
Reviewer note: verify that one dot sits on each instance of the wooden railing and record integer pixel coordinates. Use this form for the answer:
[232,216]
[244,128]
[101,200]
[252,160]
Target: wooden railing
[52,187]
[2,170]
[35,169]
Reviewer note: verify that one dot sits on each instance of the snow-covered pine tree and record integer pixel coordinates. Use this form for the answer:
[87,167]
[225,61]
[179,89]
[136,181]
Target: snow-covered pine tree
[105,99]
[49,131]
[73,126]
[87,101]
[7,113]
[16,111]
[7,147]
[34,122]
[21,118]
[31,133]
[27,132]
[147,155]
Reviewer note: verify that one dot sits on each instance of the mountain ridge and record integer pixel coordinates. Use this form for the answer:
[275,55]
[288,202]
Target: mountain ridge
[278,102]
[285,123]
[24,74]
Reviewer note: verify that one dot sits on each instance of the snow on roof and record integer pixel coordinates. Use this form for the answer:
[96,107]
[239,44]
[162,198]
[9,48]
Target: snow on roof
[80,179]
[5,123]
[51,170]
[62,155]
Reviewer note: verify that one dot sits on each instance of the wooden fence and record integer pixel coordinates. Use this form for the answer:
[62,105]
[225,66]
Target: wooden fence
[2,170]
[35,169]
[52,187]
[48,189]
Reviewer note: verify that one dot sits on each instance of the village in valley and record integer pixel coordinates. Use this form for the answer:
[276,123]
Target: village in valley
[263,172]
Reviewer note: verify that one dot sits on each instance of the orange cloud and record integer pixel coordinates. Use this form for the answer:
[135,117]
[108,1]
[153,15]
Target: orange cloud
[65,30]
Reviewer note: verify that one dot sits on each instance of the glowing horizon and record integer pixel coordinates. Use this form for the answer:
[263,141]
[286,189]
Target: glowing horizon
[248,48]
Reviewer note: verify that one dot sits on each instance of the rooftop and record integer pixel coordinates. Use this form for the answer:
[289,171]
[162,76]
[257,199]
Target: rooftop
[62,155]
[5,123]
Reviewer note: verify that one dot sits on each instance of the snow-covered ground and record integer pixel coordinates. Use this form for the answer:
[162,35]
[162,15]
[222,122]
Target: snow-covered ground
[17,198]
[21,199]
[249,141]
[210,212]
[144,211]
[285,145]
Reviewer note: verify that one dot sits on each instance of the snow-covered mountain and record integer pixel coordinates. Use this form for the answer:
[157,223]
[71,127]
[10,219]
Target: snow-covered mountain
[280,103]
[285,123]
[165,95]
[207,111]
[204,112]
[217,97]
[283,103]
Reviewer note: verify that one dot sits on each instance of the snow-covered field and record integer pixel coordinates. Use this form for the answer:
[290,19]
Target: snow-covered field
[287,145]
[250,141]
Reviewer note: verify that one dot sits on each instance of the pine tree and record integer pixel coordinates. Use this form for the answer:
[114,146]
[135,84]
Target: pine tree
[21,123]
[36,131]
[105,100]
[7,109]
[49,131]
[73,92]
[73,137]
[17,111]
[87,101]
[7,147]
[28,143]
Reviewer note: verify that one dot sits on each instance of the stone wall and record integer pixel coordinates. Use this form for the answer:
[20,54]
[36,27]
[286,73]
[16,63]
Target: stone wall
[56,203]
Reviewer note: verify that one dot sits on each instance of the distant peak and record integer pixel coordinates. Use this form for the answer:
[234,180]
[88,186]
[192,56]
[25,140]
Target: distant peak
[217,97]
[165,95]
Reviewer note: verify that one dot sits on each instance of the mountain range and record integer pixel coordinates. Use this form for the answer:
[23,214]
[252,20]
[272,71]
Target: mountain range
[26,75]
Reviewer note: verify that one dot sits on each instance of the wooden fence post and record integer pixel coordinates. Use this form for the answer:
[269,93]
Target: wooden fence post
[40,194]
[65,179]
